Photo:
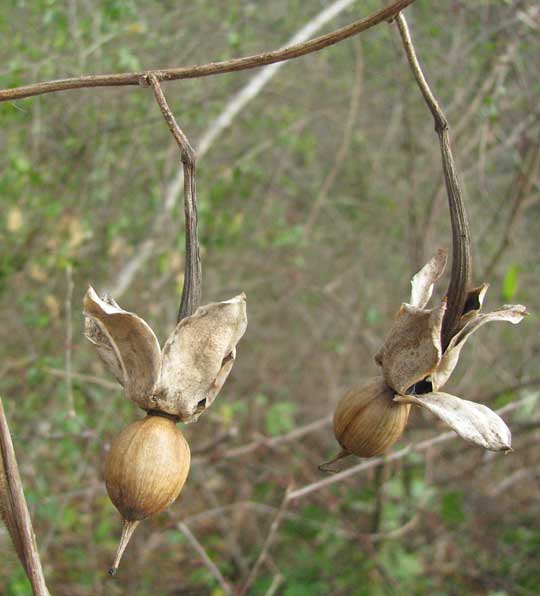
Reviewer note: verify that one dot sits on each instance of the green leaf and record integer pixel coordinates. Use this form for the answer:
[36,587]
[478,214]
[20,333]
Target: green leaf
[510,283]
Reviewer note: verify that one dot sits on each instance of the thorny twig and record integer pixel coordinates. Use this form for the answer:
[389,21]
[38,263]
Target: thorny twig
[16,513]
[461,240]
[212,68]
[191,294]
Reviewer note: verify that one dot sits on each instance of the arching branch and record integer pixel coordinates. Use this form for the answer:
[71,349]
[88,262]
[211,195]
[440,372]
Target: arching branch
[212,68]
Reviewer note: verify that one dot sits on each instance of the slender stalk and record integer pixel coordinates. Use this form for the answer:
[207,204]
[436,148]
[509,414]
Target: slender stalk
[212,68]
[15,510]
[191,294]
[128,527]
[461,238]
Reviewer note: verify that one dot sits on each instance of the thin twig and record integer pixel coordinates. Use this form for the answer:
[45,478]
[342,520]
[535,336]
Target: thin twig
[191,293]
[522,185]
[17,509]
[461,241]
[212,68]
[272,442]
[276,583]
[69,342]
[344,147]
[210,565]
[81,377]
[395,456]
[276,522]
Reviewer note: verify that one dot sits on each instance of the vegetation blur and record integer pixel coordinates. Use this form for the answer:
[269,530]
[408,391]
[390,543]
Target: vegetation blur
[320,199]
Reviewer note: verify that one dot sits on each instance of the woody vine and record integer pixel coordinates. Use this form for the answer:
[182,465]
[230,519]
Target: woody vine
[149,462]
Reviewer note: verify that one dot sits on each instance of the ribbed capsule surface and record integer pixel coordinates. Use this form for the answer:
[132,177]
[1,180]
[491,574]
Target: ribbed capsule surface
[146,467]
[367,421]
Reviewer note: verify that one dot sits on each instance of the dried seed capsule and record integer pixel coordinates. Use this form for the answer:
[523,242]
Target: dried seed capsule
[145,471]
[367,421]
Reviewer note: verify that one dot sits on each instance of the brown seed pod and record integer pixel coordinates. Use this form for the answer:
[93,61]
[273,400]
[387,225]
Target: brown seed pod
[145,471]
[367,421]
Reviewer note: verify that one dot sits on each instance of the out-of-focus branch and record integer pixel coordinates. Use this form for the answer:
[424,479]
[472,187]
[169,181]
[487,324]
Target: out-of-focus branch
[210,565]
[274,527]
[191,293]
[212,68]
[14,510]
[461,241]
[522,186]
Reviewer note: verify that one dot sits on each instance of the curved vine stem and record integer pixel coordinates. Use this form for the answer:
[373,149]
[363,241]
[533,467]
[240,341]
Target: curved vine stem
[212,68]
[461,237]
[191,293]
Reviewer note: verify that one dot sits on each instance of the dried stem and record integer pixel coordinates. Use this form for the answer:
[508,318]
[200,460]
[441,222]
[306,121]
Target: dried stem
[212,68]
[191,294]
[15,511]
[461,240]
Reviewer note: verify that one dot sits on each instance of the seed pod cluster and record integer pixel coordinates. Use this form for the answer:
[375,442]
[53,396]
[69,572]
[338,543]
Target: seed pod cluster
[145,471]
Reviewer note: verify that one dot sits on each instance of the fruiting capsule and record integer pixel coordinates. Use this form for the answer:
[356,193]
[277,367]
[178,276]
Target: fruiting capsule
[145,471]
[367,421]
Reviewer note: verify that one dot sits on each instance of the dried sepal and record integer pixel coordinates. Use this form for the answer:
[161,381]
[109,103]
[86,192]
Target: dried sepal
[473,422]
[126,343]
[412,349]
[104,347]
[509,313]
[198,357]
[423,281]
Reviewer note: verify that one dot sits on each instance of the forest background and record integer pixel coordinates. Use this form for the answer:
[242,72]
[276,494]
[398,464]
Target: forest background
[320,198]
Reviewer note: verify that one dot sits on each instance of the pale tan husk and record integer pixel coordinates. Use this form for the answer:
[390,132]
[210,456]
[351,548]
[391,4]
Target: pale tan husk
[367,421]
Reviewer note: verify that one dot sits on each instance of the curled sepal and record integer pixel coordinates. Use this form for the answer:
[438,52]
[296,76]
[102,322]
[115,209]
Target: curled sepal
[510,313]
[412,350]
[104,347]
[198,357]
[473,422]
[422,283]
[126,343]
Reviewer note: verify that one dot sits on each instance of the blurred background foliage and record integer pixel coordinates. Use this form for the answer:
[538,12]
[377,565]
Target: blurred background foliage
[319,201]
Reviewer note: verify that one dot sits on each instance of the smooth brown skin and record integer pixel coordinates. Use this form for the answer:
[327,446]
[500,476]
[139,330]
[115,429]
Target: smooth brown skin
[367,422]
[146,467]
